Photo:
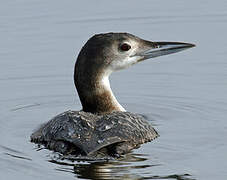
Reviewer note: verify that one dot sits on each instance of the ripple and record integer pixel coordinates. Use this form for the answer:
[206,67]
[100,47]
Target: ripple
[14,153]
[220,17]
[25,106]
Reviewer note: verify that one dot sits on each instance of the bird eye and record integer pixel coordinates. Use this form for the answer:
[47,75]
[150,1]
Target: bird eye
[125,47]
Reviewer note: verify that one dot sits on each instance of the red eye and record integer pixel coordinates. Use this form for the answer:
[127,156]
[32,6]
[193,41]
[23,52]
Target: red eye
[125,47]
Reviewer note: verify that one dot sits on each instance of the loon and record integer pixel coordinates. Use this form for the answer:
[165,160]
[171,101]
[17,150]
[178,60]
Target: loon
[103,128]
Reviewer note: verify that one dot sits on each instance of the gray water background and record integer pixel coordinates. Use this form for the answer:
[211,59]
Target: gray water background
[184,95]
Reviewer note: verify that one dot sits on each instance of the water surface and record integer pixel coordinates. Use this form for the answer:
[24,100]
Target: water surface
[183,95]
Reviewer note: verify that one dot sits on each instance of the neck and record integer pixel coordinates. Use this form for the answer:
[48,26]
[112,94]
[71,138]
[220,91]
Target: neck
[94,91]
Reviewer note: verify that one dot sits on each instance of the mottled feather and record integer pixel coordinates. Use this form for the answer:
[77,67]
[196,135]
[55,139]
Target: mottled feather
[83,133]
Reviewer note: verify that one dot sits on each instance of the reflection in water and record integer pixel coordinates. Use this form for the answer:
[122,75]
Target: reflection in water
[115,169]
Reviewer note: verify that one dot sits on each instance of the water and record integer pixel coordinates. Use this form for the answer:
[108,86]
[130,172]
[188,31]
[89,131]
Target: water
[183,94]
